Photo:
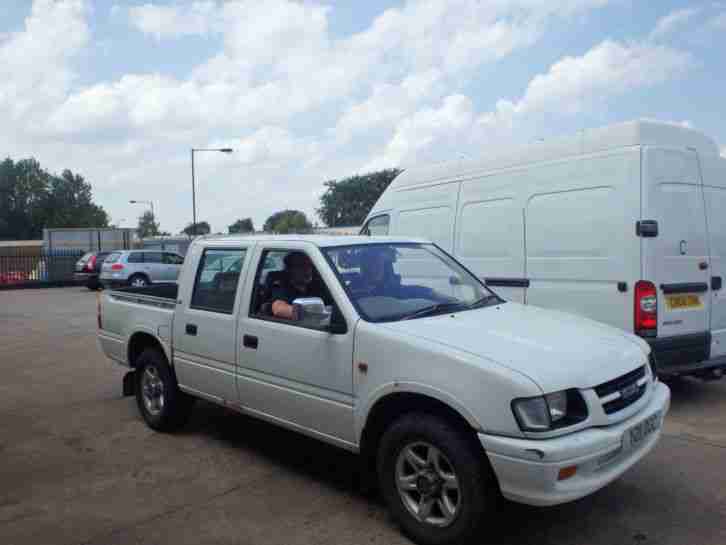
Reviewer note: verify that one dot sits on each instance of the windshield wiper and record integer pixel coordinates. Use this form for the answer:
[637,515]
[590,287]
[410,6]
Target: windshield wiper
[433,309]
[485,300]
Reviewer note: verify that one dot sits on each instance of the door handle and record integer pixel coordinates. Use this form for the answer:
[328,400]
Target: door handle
[250,341]
[716,283]
[191,329]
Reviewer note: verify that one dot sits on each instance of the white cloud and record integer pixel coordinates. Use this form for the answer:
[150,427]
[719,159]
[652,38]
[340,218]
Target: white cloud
[294,99]
[607,70]
[197,18]
[669,23]
[418,132]
[34,63]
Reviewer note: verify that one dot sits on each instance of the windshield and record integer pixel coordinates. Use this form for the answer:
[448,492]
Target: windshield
[399,281]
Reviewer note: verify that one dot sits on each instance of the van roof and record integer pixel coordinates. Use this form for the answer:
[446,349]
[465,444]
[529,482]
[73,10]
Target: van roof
[631,133]
[321,241]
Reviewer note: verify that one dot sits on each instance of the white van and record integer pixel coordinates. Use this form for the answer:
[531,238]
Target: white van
[625,225]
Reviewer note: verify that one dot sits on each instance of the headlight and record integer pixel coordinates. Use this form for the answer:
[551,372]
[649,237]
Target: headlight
[552,411]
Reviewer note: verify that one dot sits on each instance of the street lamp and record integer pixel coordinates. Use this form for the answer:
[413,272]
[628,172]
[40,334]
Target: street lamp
[150,203]
[194,195]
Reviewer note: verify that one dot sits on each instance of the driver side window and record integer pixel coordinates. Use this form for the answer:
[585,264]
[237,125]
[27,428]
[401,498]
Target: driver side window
[276,280]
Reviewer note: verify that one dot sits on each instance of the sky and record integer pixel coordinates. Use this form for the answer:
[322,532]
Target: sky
[308,91]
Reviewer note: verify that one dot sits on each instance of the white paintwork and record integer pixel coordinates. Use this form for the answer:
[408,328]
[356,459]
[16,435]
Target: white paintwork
[714,186]
[562,214]
[476,362]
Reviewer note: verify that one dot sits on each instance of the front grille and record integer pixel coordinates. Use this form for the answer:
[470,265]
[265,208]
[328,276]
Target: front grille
[617,386]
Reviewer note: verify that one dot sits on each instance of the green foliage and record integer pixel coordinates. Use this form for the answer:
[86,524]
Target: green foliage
[147,226]
[32,199]
[347,202]
[202,228]
[288,221]
[242,226]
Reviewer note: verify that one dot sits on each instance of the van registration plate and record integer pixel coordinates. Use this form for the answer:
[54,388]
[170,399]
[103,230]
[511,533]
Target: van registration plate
[641,431]
[686,301]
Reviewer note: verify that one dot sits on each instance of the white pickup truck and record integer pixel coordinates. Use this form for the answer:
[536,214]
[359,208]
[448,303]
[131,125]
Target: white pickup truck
[394,350]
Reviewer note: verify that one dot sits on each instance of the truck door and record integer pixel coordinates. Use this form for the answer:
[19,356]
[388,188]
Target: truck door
[205,323]
[714,187]
[676,258]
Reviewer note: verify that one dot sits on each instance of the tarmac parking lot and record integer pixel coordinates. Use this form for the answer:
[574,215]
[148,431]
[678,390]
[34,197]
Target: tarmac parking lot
[79,466]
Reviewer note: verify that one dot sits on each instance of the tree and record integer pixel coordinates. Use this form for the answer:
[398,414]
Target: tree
[242,226]
[288,221]
[202,228]
[147,226]
[347,202]
[31,199]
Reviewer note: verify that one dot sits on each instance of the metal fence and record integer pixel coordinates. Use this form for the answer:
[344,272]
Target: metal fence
[21,268]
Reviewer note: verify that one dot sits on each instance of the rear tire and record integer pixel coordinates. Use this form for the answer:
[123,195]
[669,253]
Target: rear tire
[138,281]
[436,480]
[162,405]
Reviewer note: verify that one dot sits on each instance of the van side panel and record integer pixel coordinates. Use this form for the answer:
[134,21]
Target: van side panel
[580,235]
[427,212]
[490,232]
[676,260]
[713,170]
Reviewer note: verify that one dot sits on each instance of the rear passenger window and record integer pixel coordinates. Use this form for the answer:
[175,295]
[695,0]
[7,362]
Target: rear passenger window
[135,257]
[217,278]
[152,257]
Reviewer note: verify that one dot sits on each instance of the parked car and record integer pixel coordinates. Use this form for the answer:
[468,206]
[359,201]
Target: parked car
[140,268]
[450,394]
[624,225]
[88,269]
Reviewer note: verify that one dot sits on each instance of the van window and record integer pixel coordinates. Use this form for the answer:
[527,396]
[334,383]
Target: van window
[377,226]
[433,224]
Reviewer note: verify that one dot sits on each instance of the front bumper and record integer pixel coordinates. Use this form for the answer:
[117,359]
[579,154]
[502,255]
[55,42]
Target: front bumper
[527,469]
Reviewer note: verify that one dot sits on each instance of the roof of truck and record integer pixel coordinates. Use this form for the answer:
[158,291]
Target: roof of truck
[632,133]
[321,241]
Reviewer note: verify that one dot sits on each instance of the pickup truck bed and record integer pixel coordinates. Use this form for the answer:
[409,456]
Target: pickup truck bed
[168,290]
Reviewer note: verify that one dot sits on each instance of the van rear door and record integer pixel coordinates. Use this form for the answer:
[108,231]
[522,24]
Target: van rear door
[676,260]
[714,188]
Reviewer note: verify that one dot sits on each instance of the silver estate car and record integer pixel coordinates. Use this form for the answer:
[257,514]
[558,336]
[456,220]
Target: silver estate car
[140,268]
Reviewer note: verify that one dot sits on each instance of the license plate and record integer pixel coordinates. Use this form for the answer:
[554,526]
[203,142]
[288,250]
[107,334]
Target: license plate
[679,302]
[641,431]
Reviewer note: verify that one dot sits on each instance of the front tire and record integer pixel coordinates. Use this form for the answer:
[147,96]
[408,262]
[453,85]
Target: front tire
[436,480]
[162,405]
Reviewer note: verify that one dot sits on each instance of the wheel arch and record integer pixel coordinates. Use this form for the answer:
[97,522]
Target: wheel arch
[140,341]
[396,401]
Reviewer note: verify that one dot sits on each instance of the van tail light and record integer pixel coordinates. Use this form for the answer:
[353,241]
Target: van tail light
[117,267]
[91,263]
[646,309]
[98,311]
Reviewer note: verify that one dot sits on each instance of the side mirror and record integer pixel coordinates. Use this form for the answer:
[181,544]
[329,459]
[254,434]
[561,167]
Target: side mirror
[312,312]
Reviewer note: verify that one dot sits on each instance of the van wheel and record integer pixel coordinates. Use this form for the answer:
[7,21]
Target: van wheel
[138,281]
[163,406]
[436,481]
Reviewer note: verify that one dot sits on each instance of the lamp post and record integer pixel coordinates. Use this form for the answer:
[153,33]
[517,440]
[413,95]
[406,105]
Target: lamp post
[150,203]
[194,194]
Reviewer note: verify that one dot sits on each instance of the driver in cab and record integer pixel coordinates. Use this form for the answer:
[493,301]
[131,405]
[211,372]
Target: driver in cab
[299,273]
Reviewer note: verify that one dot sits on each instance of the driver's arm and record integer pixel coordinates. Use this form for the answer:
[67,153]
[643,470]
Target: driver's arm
[282,309]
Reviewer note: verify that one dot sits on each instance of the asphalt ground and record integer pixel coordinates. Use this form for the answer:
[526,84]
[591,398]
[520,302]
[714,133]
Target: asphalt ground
[79,466]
